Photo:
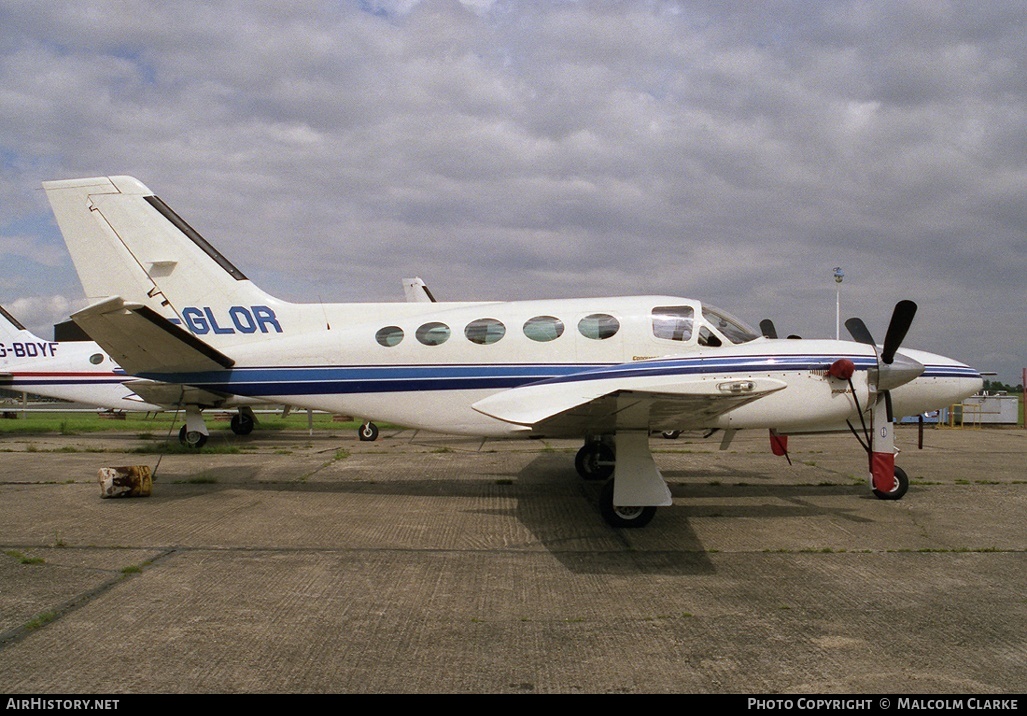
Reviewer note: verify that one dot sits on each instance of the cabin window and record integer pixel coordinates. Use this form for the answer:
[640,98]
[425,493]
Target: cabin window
[485,331]
[673,323]
[433,333]
[543,328]
[708,338]
[729,326]
[389,336]
[96,358]
[598,326]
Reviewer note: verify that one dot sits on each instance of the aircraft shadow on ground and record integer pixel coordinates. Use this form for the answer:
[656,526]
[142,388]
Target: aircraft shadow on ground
[562,511]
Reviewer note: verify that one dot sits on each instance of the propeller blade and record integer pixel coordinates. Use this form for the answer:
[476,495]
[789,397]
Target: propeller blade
[901,319]
[767,326]
[858,330]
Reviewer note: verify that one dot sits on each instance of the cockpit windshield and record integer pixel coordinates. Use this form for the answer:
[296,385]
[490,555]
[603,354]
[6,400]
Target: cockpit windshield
[728,326]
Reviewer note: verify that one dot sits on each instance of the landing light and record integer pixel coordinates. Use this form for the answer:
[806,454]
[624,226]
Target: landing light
[740,386]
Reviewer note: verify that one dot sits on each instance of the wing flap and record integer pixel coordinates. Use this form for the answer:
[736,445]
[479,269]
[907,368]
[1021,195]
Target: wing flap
[142,341]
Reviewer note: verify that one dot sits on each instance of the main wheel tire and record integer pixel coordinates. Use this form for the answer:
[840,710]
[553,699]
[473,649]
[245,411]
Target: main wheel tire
[901,485]
[193,439]
[671,434]
[242,424]
[594,461]
[620,516]
[368,432]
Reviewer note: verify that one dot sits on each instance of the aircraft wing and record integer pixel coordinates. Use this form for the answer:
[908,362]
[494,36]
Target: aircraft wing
[581,404]
[142,341]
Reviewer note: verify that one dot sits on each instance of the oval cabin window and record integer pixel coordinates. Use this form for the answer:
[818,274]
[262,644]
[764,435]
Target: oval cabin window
[389,336]
[485,331]
[598,326]
[543,328]
[433,333]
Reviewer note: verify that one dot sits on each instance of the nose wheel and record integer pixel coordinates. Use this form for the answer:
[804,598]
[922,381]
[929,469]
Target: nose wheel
[898,489]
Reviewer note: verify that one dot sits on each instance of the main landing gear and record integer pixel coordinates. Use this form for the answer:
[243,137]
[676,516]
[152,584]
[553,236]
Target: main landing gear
[194,433]
[634,487]
[192,438]
[368,432]
[621,516]
[244,421]
[594,460]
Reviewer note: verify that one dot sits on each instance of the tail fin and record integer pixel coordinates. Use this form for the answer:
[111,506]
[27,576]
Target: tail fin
[416,291]
[18,342]
[9,325]
[126,242]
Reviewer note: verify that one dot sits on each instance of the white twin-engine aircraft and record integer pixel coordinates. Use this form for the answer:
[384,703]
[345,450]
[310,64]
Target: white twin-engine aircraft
[169,307]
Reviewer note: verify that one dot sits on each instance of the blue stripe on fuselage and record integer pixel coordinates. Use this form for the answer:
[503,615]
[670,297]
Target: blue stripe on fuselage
[324,380]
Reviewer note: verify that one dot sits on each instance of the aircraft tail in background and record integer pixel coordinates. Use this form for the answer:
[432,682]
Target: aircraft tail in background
[18,343]
[76,371]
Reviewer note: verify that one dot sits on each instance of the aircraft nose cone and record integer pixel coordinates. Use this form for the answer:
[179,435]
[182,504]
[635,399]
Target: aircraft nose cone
[900,371]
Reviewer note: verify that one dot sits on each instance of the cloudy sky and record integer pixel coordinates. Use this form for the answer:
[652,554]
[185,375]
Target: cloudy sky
[733,152]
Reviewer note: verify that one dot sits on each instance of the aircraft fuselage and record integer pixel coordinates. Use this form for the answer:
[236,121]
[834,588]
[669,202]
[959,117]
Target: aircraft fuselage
[425,365]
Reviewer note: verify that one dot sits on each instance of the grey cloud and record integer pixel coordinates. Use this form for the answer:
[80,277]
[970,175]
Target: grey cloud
[732,151]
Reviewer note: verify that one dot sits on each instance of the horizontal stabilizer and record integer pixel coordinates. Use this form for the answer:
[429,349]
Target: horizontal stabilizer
[142,341]
[658,402]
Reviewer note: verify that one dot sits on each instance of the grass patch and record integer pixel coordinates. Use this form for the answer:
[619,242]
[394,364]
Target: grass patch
[41,620]
[24,558]
[198,480]
[147,425]
[177,448]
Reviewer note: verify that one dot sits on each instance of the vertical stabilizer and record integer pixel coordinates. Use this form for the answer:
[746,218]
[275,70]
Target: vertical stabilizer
[12,336]
[104,265]
[126,242]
